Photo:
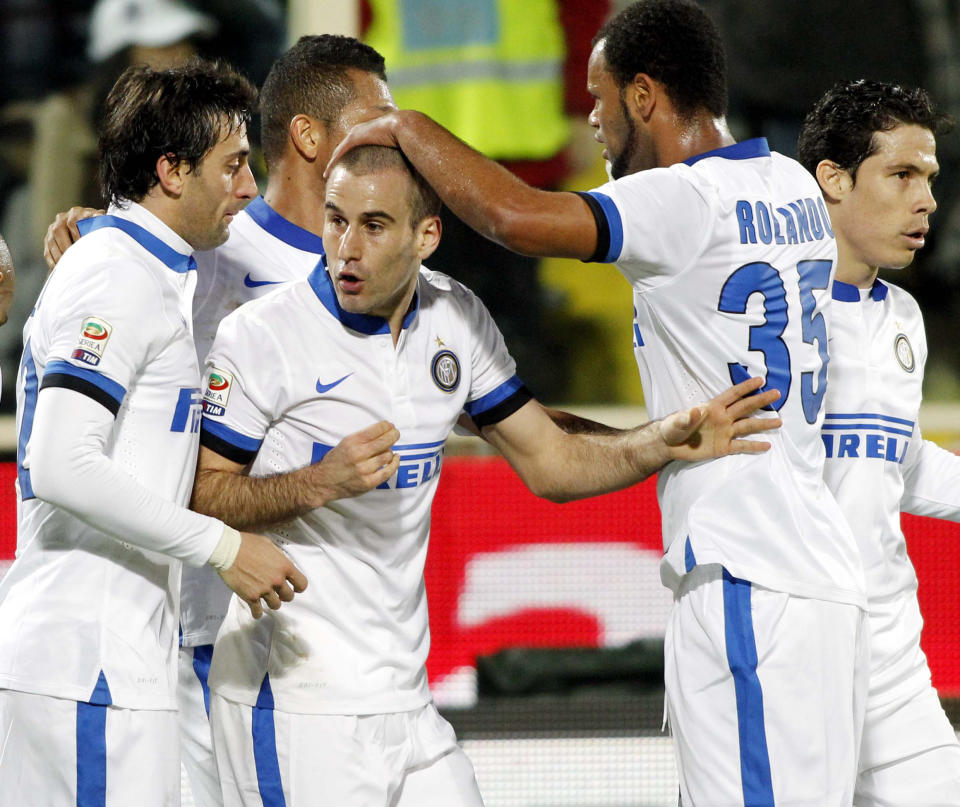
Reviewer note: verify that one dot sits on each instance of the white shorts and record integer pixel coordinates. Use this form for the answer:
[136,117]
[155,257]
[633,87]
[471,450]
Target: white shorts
[765,694]
[196,739]
[59,752]
[910,754]
[269,758]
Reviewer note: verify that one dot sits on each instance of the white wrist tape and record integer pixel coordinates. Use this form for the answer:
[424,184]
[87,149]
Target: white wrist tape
[225,553]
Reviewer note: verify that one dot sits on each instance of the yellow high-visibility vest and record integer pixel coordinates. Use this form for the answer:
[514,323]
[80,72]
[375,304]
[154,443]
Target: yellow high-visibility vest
[491,71]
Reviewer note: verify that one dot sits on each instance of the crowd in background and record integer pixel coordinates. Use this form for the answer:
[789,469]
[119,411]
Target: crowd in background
[58,58]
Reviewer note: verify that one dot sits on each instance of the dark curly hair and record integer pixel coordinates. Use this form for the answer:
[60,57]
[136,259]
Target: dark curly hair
[674,42]
[842,124]
[182,113]
[311,79]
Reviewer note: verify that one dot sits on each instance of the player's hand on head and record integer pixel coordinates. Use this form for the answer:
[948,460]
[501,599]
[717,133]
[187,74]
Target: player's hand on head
[716,428]
[263,574]
[63,232]
[378,131]
[358,463]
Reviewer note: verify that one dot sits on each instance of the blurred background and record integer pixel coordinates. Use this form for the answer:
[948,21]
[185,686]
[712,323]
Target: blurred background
[547,620]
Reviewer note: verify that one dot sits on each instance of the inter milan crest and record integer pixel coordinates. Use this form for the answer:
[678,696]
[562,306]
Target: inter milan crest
[904,352]
[445,369]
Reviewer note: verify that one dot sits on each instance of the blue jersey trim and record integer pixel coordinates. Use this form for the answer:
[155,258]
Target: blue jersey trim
[230,436]
[91,755]
[155,246]
[362,323]
[494,397]
[689,559]
[202,656]
[101,692]
[742,658]
[279,227]
[848,293]
[865,427]
[866,416]
[614,222]
[745,150]
[265,756]
[31,389]
[412,446]
[109,386]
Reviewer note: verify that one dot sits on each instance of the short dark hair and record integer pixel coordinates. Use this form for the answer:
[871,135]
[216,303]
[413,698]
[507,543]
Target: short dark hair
[182,112]
[674,42]
[311,79]
[363,160]
[842,124]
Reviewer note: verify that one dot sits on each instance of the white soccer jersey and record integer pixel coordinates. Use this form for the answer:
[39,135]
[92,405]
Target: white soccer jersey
[877,461]
[290,376]
[85,615]
[730,256]
[263,252]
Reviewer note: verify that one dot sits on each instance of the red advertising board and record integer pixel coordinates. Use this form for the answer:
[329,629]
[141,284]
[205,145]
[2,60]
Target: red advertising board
[508,569]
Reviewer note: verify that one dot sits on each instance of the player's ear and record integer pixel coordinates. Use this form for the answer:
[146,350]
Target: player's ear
[307,135]
[835,182]
[427,236]
[640,96]
[170,174]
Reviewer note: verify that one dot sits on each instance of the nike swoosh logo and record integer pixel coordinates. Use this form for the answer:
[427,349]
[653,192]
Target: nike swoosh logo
[322,388]
[250,283]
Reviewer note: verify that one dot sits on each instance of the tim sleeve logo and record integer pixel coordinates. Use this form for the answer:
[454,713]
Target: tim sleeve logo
[94,335]
[217,392]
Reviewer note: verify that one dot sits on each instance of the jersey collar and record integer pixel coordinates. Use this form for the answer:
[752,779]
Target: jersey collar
[176,261]
[745,150]
[279,227]
[848,293]
[322,286]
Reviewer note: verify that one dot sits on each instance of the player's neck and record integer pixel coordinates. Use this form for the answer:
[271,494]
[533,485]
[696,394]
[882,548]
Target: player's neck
[297,195]
[851,270]
[689,137]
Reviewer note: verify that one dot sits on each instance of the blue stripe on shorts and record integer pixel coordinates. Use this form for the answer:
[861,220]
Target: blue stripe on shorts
[742,658]
[91,755]
[265,749]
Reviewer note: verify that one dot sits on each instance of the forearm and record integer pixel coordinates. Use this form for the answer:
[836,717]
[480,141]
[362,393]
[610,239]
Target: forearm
[488,197]
[574,424]
[577,466]
[253,503]
[69,469]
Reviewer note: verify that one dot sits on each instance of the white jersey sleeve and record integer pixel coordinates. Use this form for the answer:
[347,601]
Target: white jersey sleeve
[96,343]
[235,378]
[669,213]
[495,389]
[931,477]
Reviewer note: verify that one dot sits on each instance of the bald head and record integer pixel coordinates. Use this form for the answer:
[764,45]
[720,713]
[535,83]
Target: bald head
[8,281]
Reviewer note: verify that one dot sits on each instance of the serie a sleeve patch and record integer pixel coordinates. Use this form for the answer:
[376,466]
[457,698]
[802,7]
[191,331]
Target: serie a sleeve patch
[216,392]
[94,335]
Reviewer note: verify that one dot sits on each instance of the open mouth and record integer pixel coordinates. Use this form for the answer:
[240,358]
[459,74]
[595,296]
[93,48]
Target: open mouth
[349,282]
[916,238]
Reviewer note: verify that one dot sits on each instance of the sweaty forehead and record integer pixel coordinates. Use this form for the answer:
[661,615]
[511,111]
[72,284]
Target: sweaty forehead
[361,189]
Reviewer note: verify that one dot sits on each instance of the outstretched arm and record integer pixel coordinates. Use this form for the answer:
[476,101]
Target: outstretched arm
[561,466]
[359,463]
[481,192]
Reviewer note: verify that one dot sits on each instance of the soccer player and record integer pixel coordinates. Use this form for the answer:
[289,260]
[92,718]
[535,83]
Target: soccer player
[872,147]
[730,254]
[371,334]
[108,420]
[314,93]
